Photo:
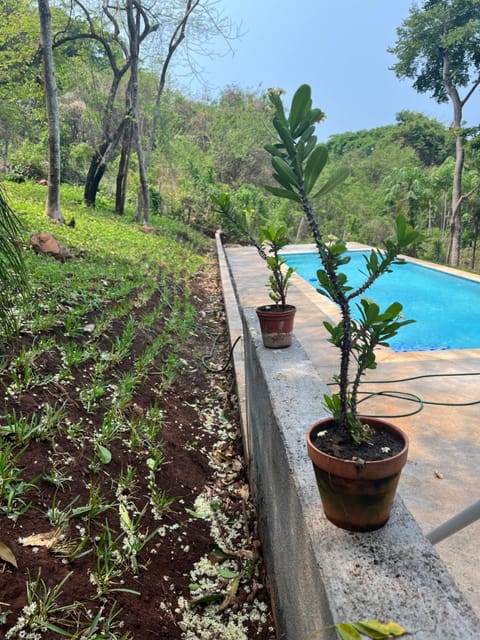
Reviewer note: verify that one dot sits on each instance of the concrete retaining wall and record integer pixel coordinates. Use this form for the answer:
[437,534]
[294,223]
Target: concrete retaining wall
[320,574]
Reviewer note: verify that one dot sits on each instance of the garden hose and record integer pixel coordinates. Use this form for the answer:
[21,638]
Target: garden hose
[411,397]
[207,358]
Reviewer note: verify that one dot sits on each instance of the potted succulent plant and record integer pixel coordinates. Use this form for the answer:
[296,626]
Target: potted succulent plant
[357,460]
[277,319]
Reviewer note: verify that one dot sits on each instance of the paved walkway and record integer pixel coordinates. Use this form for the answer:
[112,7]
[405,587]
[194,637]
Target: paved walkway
[442,476]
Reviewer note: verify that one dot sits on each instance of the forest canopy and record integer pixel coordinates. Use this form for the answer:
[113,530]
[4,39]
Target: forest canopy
[128,131]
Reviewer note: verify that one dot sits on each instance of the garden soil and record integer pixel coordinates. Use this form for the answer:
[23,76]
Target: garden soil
[199,576]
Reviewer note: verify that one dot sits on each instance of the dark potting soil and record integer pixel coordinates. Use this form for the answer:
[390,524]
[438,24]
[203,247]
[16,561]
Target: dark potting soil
[337,442]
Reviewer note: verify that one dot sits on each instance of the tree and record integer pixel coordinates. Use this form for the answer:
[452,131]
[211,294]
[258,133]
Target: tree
[187,29]
[175,40]
[52,206]
[136,16]
[408,190]
[432,141]
[437,47]
[118,53]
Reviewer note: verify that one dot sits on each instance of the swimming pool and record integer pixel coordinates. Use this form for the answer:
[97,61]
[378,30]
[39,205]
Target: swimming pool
[446,308]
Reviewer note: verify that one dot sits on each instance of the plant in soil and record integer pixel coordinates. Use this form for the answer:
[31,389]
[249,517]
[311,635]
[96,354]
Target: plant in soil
[271,240]
[298,162]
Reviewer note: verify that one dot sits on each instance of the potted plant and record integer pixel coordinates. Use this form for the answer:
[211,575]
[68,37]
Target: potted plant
[357,460]
[277,319]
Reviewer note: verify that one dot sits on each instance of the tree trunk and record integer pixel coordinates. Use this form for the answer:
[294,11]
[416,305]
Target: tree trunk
[52,205]
[453,256]
[95,173]
[122,173]
[455,244]
[475,238]
[177,38]
[134,40]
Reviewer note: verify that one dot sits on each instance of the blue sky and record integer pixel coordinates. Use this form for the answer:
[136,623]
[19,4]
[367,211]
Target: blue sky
[338,47]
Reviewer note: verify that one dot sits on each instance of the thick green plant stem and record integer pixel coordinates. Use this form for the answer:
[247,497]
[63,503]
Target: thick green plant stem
[342,301]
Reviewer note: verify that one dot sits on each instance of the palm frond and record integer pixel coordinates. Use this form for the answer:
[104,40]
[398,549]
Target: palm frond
[13,278]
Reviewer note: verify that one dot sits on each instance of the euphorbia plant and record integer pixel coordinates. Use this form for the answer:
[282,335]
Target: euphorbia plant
[271,240]
[298,162]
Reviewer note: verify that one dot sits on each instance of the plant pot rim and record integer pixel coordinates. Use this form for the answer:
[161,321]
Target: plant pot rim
[351,468]
[272,308]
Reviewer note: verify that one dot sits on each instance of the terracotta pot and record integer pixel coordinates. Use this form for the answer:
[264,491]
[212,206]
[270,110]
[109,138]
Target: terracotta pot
[357,497]
[276,324]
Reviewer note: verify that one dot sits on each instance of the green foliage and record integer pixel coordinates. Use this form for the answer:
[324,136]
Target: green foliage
[408,190]
[298,163]
[371,629]
[447,27]
[29,161]
[13,278]
[269,243]
[364,142]
[432,142]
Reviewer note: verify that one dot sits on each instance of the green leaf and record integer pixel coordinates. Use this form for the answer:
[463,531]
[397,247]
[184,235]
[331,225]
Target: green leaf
[307,135]
[124,516]
[208,599]
[104,454]
[274,150]
[283,193]
[335,179]
[7,555]
[287,177]
[347,632]
[194,514]
[124,590]
[314,167]
[277,103]
[378,631]
[284,135]
[301,105]
[55,629]
[227,573]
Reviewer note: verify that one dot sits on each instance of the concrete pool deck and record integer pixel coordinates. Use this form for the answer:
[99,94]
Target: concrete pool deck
[442,475]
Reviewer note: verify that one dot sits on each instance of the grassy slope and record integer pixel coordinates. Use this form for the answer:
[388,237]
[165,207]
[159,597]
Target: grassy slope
[104,405]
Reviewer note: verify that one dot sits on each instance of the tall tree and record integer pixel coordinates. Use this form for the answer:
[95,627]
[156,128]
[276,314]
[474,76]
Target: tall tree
[176,39]
[136,14]
[108,31]
[52,206]
[437,47]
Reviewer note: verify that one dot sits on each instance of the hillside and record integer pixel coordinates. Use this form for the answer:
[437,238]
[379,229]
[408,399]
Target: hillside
[125,511]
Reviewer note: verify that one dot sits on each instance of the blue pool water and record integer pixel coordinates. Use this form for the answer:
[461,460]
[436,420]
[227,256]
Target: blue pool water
[446,308]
